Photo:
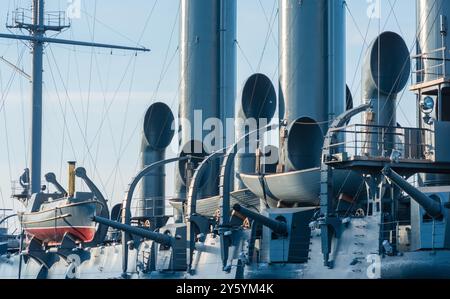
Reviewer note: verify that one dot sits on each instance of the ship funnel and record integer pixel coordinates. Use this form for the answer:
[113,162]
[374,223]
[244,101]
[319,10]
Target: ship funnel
[71,191]
[255,109]
[207,84]
[385,73]
[157,135]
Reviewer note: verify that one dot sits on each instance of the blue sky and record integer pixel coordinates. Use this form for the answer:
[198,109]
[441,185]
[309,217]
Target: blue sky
[103,96]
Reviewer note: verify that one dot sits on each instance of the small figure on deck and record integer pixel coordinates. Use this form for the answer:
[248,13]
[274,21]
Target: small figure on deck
[24,181]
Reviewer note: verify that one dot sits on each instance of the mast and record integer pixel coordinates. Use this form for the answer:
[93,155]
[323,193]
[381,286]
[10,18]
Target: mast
[37,38]
[37,31]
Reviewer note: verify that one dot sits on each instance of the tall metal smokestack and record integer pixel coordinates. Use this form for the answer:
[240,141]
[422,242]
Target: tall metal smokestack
[433,44]
[257,104]
[208,76]
[312,76]
[156,137]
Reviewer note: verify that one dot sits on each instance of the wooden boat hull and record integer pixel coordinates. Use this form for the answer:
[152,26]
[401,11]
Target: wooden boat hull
[302,187]
[50,224]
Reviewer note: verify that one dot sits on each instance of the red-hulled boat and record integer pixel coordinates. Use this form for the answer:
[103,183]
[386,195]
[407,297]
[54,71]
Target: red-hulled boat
[51,216]
[55,219]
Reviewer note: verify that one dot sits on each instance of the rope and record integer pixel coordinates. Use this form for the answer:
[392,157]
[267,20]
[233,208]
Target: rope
[64,119]
[365,44]
[5,93]
[392,11]
[275,41]
[63,110]
[163,73]
[124,126]
[116,169]
[90,75]
[75,116]
[269,30]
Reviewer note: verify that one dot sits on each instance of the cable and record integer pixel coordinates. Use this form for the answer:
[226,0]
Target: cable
[63,110]
[363,47]
[269,31]
[90,75]
[275,41]
[245,56]
[75,116]
[124,125]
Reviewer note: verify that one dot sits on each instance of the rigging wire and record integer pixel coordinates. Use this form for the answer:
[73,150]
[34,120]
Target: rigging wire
[97,152]
[166,55]
[395,17]
[77,121]
[7,145]
[124,127]
[85,12]
[106,114]
[268,20]
[89,145]
[274,15]
[364,45]
[64,117]
[92,33]
[147,22]
[108,119]
[163,73]
[138,123]
[62,109]
[22,108]
[117,168]
[10,81]
[245,56]
[5,92]
[270,24]
[165,68]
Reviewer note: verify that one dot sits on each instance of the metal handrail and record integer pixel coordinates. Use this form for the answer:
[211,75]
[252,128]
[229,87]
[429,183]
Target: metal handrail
[150,203]
[51,18]
[427,53]
[412,143]
[429,69]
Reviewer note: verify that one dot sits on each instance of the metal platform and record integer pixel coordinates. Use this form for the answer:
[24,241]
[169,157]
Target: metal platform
[429,87]
[370,148]
[376,164]
[430,79]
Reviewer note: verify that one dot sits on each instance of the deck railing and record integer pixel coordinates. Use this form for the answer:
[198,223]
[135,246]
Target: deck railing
[380,142]
[430,66]
[152,205]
